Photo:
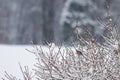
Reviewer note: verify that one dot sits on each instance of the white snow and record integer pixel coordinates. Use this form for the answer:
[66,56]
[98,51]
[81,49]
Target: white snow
[11,56]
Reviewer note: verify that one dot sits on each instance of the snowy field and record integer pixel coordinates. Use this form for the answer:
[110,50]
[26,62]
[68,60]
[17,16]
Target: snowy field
[11,56]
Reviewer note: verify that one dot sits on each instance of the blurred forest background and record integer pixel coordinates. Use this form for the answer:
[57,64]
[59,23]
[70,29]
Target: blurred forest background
[22,21]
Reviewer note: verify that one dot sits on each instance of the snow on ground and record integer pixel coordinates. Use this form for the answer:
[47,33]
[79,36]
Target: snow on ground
[11,56]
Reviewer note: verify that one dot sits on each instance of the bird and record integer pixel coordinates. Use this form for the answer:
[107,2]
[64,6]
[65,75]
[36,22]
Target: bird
[78,52]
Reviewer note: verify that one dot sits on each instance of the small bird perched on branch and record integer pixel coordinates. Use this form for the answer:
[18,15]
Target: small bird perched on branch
[79,52]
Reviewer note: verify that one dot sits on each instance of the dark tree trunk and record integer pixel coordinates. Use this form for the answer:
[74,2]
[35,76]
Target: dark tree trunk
[48,20]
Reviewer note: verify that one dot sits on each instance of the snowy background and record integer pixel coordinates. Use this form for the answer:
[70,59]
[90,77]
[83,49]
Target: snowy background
[43,20]
[11,56]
